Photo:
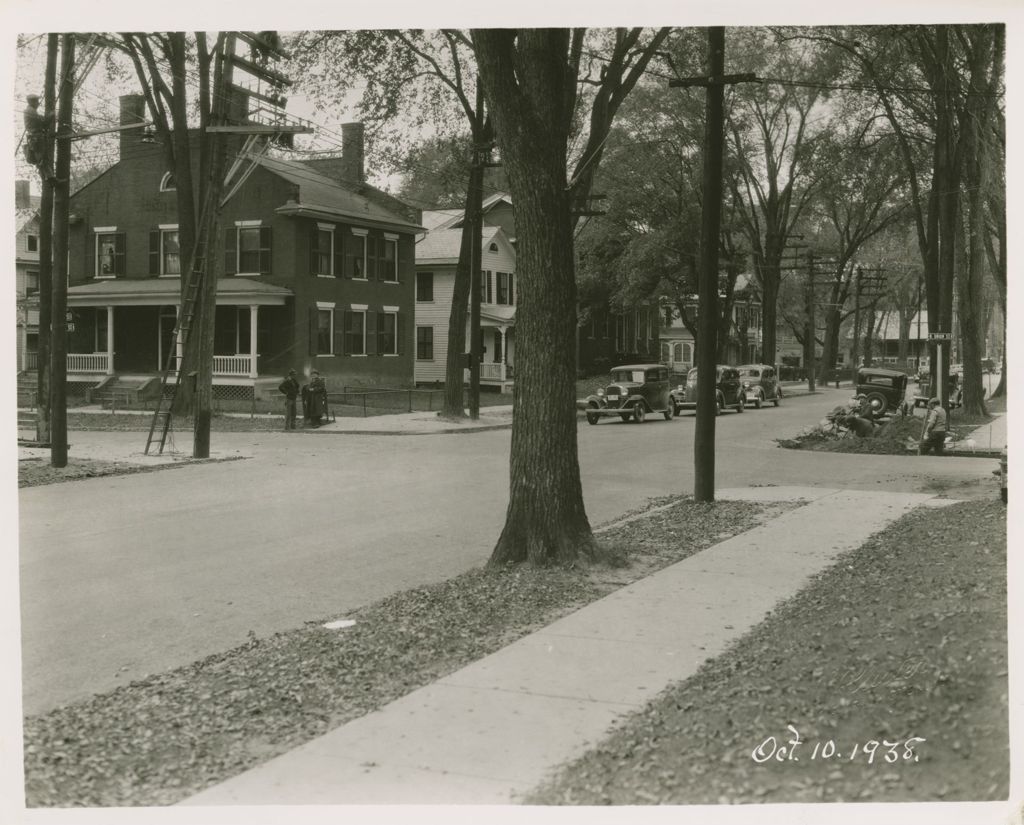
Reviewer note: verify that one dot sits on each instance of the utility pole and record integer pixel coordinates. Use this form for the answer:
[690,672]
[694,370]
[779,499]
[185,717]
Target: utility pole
[474,225]
[810,359]
[59,296]
[46,244]
[854,353]
[707,283]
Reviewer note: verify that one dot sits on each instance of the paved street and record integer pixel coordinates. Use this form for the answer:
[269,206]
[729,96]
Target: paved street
[130,575]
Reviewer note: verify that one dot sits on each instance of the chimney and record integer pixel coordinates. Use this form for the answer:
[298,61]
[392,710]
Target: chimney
[133,110]
[352,152]
[22,200]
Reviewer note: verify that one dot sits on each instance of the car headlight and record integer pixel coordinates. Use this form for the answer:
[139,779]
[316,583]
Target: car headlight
[746,385]
[600,391]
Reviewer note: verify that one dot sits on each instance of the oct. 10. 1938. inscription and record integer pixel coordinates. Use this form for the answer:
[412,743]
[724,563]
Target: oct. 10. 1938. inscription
[791,750]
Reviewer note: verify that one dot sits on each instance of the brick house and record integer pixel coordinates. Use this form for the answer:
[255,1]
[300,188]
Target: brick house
[318,272]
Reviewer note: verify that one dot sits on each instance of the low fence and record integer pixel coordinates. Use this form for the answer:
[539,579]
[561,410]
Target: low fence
[361,401]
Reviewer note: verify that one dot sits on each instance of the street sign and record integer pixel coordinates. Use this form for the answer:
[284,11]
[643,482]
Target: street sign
[940,336]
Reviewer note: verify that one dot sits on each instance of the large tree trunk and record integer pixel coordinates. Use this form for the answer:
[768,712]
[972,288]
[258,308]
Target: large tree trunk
[530,96]
[769,315]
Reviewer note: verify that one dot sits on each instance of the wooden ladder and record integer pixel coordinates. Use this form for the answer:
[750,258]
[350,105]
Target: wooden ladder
[161,422]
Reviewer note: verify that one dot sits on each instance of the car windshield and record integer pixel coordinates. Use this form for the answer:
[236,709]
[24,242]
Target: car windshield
[751,373]
[626,376]
[691,376]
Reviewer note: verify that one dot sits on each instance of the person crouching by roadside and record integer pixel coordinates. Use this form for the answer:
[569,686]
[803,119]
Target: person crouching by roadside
[290,390]
[934,435]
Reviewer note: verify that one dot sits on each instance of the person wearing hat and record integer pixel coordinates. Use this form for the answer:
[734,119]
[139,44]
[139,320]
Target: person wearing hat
[290,389]
[317,399]
[933,437]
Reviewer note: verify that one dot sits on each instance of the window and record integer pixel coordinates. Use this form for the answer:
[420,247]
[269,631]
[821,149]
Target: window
[252,256]
[387,333]
[33,243]
[493,247]
[389,259]
[31,282]
[424,343]
[323,250]
[486,293]
[424,287]
[110,254]
[505,288]
[324,331]
[164,252]
[358,255]
[355,332]
[167,183]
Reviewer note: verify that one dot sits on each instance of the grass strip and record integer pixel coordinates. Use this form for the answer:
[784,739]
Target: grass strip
[902,637]
[160,739]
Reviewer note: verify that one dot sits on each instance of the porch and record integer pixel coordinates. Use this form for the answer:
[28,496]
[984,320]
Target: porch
[497,348]
[130,327]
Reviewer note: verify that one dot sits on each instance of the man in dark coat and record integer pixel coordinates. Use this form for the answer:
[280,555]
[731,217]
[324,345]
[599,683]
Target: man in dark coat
[317,398]
[290,389]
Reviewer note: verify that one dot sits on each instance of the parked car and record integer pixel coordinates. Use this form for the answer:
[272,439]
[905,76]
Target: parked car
[988,365]
[728,390]
[760,384]
[885,389]
[634,391]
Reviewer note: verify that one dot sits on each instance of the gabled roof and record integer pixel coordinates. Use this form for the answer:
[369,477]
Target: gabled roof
[323,197]
[23,216]
[488,203]
[441,246]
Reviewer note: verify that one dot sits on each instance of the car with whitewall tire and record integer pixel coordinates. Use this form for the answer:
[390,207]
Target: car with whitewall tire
[634,392]
[728,391]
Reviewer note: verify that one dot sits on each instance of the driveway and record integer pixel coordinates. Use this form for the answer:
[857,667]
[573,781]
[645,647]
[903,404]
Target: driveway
[130,575]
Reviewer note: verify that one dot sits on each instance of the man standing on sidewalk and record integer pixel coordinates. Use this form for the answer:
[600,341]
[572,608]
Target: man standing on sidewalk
[290,389]
[934,435]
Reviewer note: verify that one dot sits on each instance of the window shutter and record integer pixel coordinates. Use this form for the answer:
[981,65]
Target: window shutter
[400,332]
[231,251]
[339,332]
[120,267]
[154,252]
[405,263]
[314,250]
[339,253]
[314,329]
[511,289]
[264,250]
[344,332]
[371,257]
[380,332]
[371,332]
[90,254]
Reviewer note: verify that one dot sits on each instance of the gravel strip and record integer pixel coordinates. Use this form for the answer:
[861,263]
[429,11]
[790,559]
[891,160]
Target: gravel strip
[35,472]
[903,637]
[166,737]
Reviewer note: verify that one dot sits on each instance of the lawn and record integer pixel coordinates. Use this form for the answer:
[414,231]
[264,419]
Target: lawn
[890,667]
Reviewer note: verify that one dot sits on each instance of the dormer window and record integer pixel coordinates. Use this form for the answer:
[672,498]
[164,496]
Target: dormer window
[493,247]
[167,183]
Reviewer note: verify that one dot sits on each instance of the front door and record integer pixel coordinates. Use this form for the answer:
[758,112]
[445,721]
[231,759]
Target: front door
[168,318]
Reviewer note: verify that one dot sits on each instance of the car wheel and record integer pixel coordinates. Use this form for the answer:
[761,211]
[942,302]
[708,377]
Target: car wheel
[742,405]
[758,400]
[639,412]
[719,405]
[777,398]
[592,417]
[669,413]
[879,403]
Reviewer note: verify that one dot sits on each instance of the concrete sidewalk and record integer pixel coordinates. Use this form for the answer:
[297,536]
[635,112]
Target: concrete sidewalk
[991,436]
[492,731]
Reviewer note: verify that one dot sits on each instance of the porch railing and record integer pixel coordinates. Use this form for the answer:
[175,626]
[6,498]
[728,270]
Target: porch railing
[493,372]
[87,362]
[231,364]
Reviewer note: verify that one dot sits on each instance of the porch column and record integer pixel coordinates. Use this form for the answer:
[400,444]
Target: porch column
[253,315]
[504,349]
[179,343]
[110,340]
